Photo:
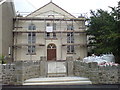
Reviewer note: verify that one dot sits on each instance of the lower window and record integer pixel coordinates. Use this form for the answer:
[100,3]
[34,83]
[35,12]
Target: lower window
[31,49]
[70,49]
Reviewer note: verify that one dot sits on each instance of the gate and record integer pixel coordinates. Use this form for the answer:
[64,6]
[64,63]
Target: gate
[57,69]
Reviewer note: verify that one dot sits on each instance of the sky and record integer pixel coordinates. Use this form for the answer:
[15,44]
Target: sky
[75,7]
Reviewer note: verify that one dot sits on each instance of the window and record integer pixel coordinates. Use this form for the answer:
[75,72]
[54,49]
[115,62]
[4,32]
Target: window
[70,27]
[54,26]
[48,35]
[70,39]
[31,49]
[48,24]
[32,27]
[31,39]
[54,35]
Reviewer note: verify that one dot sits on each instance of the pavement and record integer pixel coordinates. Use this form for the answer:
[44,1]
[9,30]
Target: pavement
[58,81]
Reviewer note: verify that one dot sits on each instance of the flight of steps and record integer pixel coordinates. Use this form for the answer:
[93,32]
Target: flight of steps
[58,81]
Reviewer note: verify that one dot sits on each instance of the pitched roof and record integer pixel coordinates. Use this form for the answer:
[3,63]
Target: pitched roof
[50,7]
[1,2]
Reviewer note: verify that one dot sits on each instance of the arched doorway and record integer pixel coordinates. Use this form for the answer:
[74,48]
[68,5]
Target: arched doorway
[51,52]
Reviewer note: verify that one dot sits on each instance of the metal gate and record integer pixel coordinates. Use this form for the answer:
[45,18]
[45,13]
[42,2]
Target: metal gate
[57,69]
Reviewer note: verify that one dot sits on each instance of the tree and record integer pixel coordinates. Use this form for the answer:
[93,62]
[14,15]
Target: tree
[105,27]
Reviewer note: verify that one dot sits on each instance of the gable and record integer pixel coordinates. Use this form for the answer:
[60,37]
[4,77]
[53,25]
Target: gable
[52,9]
[50,14]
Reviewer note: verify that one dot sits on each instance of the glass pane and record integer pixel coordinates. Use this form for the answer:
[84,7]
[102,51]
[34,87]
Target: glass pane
[54,26]
[29,38]
[54,35]
[47,35]
[33,38]
[72,49]
[53,46]
[32,27]
[48,24]
[68,49]
[70,27]
[29,49]
[33,49]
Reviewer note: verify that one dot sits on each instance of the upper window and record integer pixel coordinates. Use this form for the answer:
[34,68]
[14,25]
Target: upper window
[70,37]
[32,27]
[70,27]
[54,26]
[48,24]
[54,35]
[48,35]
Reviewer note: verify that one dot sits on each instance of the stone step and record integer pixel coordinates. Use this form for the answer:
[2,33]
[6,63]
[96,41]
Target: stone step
[61,83]
[58,81]
[56,74]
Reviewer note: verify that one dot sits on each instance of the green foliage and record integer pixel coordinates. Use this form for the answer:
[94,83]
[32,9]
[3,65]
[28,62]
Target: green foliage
[2,59]
[105,28]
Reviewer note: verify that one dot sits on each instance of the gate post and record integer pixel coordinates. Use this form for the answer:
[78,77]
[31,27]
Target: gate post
[43,67]
[69,66]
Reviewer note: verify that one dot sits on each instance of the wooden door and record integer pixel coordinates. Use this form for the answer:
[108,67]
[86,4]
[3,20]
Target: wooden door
[51,52]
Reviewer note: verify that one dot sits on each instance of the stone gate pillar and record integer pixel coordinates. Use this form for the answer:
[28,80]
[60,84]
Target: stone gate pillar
[69,66]
[19,69]
[43,67]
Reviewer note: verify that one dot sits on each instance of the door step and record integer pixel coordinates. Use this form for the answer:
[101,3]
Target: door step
[56,74]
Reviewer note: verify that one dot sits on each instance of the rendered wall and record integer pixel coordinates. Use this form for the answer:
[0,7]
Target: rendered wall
[6,38]
[0,29]
[22,38]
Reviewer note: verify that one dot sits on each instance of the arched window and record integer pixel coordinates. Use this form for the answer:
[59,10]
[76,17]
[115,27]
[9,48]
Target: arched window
[51,46]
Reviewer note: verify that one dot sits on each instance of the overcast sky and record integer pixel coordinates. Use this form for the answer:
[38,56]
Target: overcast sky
[75,7]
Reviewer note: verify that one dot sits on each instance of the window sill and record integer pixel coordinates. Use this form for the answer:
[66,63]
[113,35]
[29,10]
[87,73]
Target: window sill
[51,38]
[31,54]
[71,53]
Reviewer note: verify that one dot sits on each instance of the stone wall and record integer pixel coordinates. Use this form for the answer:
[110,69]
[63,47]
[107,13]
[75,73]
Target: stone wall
[17,72]
[8,74]
[97,74]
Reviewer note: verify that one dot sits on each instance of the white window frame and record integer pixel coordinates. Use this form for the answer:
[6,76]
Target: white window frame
[31,39]
[70,39]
